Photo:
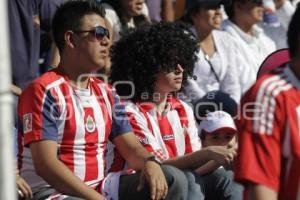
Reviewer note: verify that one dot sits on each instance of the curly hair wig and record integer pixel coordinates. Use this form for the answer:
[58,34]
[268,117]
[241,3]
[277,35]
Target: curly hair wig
[143,52]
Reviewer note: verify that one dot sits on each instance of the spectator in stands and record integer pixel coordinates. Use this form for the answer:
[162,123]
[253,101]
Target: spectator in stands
[268,155]
[157,59]
[25,19]
[67,116]
[216,129]
[214,101]
[161,10]
[124,14]
[251,42]
[218,62]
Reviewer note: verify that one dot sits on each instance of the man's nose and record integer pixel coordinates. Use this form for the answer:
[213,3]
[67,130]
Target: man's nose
[179,68]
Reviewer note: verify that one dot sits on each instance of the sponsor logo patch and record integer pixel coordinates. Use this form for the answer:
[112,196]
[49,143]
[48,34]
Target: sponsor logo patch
[27,122]
[168,137]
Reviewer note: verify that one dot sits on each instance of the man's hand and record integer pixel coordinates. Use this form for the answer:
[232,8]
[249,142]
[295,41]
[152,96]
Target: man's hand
[24,189]
[153,174]
[223,155]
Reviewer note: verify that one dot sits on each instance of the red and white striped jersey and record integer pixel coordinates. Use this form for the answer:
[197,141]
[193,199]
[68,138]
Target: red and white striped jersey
[172,134]
[80,120]
[269,142]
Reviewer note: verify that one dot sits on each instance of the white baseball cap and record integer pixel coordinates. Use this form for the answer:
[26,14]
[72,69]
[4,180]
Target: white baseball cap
[217,121]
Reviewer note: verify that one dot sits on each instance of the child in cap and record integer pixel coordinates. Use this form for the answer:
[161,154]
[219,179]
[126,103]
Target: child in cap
[217,129]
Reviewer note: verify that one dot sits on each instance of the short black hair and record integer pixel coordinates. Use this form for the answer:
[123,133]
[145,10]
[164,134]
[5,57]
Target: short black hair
[229,8]
[294,34]
[145,51]
[117,6]
[68,17]
[187,17]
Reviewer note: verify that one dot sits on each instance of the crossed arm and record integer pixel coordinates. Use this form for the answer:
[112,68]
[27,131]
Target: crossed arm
[56,173]
[52,170]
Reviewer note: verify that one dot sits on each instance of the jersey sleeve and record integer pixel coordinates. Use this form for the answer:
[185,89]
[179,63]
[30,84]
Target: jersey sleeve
[260,125]
[120,122]
[38,115]
[143,132]
[192,139]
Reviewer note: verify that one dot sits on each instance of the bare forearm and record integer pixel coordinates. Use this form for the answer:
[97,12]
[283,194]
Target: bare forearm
[64,181]
[136,159]
[207,167]
[132,150]
[190,161]
[168,11]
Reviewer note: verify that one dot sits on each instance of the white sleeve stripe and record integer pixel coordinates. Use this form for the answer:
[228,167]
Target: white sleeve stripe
[55,83]
[273,106]
[265,101]
[259,98]
[267,105]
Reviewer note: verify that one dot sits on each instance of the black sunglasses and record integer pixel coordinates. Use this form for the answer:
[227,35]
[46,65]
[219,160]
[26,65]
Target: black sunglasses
[98,32]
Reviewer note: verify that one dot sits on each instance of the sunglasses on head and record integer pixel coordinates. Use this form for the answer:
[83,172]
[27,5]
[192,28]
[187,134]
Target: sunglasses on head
[98,32]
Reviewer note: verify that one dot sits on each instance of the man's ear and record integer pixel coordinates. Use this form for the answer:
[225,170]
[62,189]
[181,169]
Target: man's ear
[69,39]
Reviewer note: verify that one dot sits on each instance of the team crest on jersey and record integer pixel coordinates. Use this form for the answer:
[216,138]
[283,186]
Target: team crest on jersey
[27,123]
[90,125]
[168,137]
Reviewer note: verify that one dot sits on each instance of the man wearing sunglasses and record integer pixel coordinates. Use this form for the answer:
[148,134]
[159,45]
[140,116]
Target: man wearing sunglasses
[251,41]
[67,116]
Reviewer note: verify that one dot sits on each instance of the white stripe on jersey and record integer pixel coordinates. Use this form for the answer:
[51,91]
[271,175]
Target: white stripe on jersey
[265,100]
[100,124]
[157,141]
[55,83]
[259,98]
[79,140]
[275,93]
[156,131]
[176,127]
[105,97]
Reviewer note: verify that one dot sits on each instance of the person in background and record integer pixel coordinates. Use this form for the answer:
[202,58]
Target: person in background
[124,14]
[67,116]
[214,101]
[26,17]
[217,129]
[268,158]
[251,41]
[157,62]
[217,67]
[161,10]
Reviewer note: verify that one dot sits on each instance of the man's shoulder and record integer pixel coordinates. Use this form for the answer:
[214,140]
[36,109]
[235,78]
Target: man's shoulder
[274,83]
[44,82]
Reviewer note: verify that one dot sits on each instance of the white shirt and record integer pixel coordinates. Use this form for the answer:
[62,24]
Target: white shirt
[254,49]
[225,64]
[114,20]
